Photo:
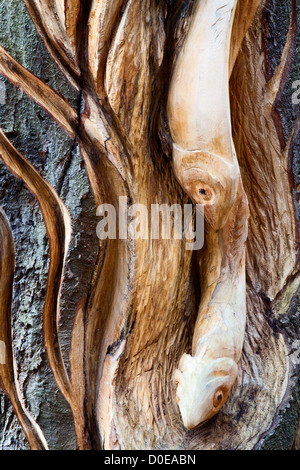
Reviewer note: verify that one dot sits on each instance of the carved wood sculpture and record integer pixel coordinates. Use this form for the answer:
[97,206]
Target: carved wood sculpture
[205,164]
[133,330]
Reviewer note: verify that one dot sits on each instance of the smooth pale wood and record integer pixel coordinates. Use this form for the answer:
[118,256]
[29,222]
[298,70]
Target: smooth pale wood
[205,164]
[245,12]
[198,101]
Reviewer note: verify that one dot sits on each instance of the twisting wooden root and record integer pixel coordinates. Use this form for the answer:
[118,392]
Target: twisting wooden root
[58,227]
[8,380]
[51,101]
[206,166]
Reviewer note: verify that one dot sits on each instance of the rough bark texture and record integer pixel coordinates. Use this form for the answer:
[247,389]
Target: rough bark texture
[57,158]
[136,407]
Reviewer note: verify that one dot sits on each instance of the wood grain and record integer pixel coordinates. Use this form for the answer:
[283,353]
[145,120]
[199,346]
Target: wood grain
[144,314]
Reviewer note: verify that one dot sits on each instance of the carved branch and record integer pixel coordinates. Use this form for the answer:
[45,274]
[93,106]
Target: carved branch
[59,233]
[56,25]
[102,21]
[71,10]
[58,227]
[42,94]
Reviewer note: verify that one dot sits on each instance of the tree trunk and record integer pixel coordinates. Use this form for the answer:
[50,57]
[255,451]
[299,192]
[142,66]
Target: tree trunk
[105,333]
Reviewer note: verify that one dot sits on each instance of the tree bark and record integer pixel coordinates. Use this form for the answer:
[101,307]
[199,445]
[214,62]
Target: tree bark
[128,309]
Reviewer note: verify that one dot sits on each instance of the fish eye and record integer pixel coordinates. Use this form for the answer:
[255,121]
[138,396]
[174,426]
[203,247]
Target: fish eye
[218,398]
[204,193]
